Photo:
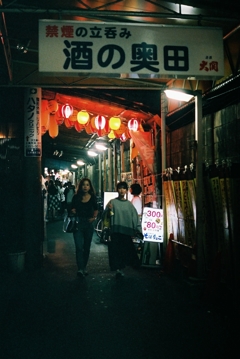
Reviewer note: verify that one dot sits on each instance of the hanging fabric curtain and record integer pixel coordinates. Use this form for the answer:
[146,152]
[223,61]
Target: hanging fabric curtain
[143,142]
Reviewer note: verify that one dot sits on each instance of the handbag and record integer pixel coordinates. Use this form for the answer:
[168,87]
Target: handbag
[70,224]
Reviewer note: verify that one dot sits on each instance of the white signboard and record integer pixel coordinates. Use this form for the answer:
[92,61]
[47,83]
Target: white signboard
[152,224]
[107,196]
[32,123]
[118,49]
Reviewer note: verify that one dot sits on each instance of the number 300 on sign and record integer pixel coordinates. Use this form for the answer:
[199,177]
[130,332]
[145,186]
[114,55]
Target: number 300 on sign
[151,213]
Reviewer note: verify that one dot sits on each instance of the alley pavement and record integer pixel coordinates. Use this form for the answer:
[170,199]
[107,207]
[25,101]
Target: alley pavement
[148,314]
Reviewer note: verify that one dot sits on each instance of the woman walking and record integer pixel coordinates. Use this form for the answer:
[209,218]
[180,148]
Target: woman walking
[85,207]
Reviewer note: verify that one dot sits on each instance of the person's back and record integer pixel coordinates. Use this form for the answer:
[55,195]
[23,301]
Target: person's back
[53,200]
[135,190]
[69,193]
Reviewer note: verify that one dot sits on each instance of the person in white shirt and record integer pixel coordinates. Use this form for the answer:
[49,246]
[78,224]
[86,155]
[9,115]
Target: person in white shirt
[136,190]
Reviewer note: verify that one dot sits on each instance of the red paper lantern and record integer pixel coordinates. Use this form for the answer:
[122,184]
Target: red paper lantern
[68,123]
[133,124]
[100,122]
[59,120]
[73,116]
[88,128]
[53,127]
[111,135]
[78,126]
[123,137]
[44,105]
[45,116]
[67,110]
[52,106]
[92,124]
[83,117]
[120,131]
[114,123]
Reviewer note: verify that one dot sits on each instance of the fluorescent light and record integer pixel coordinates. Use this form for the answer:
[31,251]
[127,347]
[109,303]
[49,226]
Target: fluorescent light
[74,166]
[92,153]
[80,163]
[180,95]
[101,147]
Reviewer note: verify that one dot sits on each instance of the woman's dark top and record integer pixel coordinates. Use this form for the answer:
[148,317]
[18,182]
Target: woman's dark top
[52,190]
[84,209]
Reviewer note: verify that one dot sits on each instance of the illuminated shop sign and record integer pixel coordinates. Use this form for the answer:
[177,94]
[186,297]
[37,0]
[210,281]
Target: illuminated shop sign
[32,128]
[152,224]
[109,49]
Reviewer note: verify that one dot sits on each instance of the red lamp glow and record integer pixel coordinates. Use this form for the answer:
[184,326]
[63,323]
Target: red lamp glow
[52,106]
[53,127]
[67,110]
[123,137]
[78,126]
[133,124]
[100,122]
[68,123]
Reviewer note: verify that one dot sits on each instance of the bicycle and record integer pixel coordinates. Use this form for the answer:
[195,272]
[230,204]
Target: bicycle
[98,222]
[102,233]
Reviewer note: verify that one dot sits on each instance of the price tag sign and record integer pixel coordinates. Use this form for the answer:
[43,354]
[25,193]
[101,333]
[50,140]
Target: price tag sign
[152,224]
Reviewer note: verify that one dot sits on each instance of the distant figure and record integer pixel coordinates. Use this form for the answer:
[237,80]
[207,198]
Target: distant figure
[85,207]
[69,192]
[61,198]
[52,200]
[125,224]
[136,190]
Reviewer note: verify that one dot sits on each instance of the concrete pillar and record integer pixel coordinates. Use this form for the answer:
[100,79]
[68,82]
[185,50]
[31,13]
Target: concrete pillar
[33,204]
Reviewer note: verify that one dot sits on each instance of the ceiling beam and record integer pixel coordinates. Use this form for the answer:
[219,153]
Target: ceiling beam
[111,13]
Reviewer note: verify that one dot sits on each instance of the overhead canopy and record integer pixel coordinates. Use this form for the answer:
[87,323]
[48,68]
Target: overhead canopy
[19,56]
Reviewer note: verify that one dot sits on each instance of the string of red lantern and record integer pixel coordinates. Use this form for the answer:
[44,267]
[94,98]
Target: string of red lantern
[59,114]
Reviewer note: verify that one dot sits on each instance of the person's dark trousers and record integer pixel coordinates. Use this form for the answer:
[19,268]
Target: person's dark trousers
[83,239]
[121,252]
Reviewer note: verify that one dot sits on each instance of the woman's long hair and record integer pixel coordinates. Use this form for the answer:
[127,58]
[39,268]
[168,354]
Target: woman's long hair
[79,188]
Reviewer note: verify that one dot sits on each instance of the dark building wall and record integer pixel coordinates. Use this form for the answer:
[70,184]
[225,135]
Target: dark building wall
[221,138]
[11,169]
[221,195]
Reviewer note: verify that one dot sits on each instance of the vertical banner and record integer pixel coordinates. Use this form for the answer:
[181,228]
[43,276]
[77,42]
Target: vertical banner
[32,123]
[152,224]
[143,143]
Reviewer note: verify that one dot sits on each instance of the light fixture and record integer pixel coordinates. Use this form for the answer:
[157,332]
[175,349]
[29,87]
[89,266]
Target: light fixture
[179,94]
[92,153]
[23,46]
[80,163]
[74,166]
[100,147]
